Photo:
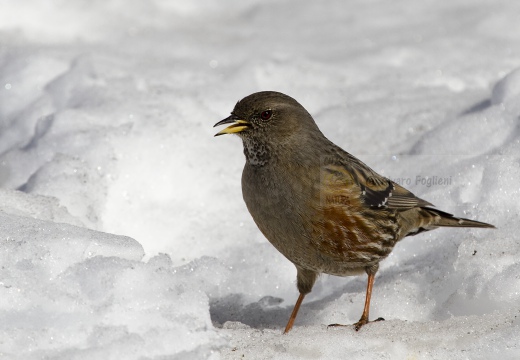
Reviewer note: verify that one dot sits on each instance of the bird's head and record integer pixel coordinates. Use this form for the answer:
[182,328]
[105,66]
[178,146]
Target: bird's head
[267,116]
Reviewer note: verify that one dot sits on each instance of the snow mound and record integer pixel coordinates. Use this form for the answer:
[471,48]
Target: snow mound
[69,292]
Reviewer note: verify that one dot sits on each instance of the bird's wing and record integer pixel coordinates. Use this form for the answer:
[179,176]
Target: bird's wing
[376,191]
[352,222]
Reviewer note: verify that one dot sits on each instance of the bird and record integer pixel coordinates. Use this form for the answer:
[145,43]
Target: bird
[321,207]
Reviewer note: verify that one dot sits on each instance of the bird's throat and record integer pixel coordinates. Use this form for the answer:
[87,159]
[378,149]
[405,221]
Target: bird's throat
[257,153]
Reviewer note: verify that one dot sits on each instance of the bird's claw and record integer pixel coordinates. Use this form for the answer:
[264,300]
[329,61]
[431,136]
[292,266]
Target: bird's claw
[335,325]
[359,324]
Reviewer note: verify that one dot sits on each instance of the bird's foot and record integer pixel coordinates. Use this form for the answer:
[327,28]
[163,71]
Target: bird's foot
[362,322]
[359,324]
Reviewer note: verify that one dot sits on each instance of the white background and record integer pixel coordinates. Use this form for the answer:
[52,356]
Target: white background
[122,227]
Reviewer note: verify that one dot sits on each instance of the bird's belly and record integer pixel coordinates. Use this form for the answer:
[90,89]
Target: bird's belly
[290,234]
[301,252]
[307,238]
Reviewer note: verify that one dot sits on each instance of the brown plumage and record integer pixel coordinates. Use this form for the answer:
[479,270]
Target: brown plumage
[321,207]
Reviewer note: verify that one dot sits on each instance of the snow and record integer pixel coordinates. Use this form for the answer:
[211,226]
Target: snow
[123,230]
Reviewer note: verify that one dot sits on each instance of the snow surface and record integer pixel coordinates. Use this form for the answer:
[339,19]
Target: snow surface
[106,114]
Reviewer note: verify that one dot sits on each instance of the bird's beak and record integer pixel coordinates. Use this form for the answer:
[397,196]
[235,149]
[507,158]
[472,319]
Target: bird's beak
[237,125]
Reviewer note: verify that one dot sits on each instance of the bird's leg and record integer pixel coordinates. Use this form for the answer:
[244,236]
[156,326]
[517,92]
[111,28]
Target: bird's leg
[366,309]
[364,317]
[305,280]
[294,313]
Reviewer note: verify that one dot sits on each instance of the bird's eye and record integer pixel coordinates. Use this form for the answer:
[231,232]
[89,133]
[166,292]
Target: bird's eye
[266,115]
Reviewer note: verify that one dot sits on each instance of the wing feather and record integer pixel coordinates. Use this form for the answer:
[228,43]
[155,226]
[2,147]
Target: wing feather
[376,191]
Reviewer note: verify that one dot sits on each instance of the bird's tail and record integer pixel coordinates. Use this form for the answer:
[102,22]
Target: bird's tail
[452,221]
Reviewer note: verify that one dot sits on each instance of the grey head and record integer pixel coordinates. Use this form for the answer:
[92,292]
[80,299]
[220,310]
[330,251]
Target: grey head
[266,121]
[268,114]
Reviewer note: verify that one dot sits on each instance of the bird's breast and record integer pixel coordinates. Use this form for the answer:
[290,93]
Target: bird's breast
[277,205]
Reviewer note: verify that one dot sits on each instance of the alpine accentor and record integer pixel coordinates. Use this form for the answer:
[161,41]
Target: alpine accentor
[323,209]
